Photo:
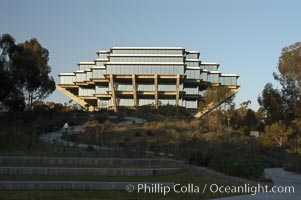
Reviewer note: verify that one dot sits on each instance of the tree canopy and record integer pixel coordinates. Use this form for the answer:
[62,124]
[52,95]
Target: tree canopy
[283,106]
[24,73]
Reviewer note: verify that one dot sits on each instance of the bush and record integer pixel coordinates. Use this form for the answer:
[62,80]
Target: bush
[293,164]
[91,148]
[22,130]
[265,142]
[149,133]
[199,158]
[238,167]
[241,160]
[244,130]
[138,134]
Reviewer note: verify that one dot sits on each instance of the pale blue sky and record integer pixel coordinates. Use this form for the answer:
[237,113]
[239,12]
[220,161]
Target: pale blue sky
[245,37]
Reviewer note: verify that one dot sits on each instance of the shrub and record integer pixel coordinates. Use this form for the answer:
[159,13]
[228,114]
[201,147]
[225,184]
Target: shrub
[293,164]
[238,167]
[199,158]
[265,142]
[91,148]
[149,133]
[241,160]
[244,130]
[138,134]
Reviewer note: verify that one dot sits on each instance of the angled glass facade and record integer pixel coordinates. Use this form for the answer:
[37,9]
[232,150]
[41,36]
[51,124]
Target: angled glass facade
[137,76]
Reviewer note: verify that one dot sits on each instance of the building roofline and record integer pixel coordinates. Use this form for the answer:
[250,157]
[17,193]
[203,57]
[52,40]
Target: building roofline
[231,75]
[86,63]
[214,72]
[144,63]
[101,59]
[98,67]
[147,48]
[210,64]
[192,60]
[145,55]
[79,71]
[193,52]
[102,52]
[67,74]
[197,68]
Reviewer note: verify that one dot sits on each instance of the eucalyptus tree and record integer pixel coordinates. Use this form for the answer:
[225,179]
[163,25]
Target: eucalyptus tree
[24,73]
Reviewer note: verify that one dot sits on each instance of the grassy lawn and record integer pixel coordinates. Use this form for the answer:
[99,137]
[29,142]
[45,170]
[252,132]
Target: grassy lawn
[55,150]
[163,165]
[97,195]
[182,178]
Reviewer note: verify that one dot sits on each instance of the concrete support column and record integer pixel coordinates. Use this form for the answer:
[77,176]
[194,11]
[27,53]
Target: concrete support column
[177,89]
[134,90]
[113,98]
[156,90]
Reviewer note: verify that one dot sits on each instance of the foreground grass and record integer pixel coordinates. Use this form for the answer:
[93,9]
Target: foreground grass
[97,195]
[56,150]
[183,178]
[163,165]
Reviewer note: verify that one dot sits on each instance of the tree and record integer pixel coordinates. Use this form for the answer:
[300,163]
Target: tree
[289,77]
[289,68]
[24,72]
[244,118]
[214,121]
[271,100]
[284,105]
[278,132]
[7,47]
[297,133]
[246,103]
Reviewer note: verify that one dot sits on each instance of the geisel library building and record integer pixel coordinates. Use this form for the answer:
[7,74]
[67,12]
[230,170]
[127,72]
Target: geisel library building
[137,76]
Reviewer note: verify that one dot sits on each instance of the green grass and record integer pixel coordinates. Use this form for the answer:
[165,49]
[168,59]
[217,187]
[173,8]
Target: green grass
[56,150]
[97,195]
[182,178]
[163,165]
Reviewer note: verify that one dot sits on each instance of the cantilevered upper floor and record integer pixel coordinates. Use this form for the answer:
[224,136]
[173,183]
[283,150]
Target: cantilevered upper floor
[135,76]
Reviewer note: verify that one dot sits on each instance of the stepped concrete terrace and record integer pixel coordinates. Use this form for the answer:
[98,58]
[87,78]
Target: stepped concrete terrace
[79,171]
[84,161]
[89,171]
[72,185]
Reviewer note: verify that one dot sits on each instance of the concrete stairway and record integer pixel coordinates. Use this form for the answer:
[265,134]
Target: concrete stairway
[75,185]
[97,169]
[89,171]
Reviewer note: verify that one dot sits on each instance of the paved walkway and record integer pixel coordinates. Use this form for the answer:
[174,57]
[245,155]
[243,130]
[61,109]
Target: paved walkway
[280,178]
[56,137]
[131,120]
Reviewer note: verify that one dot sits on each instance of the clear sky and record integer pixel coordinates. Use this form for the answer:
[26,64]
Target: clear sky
[245,37]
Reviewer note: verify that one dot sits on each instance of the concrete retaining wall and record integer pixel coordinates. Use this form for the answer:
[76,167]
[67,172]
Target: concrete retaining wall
[89,171]
[72,185]
[82,161]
